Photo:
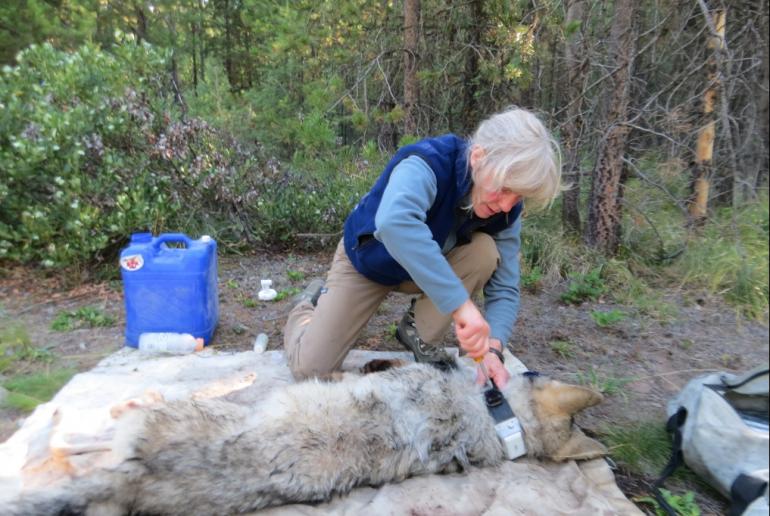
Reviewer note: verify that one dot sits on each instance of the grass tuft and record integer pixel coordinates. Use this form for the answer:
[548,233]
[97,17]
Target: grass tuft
[287,293]
[563,348]
[531,280]
[584,287]
[555,255]
[83,317]
[16,346]
[643,448]
[604,319]
[683,504]
[630,285]
[295,276]
[25,392]
[605,384]
[730,258]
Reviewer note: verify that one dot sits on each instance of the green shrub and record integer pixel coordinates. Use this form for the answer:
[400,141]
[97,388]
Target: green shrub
[75,137]
[583,287]
[95,149]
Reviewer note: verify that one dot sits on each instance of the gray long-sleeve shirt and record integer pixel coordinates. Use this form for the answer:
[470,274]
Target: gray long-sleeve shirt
[400,223]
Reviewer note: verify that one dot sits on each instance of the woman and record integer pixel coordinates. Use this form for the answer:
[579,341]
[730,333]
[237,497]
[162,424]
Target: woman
[442,221]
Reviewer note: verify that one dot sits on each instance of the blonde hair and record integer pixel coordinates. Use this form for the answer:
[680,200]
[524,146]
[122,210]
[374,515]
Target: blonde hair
[519,154]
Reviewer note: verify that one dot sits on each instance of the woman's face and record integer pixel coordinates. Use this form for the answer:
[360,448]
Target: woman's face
[487,200]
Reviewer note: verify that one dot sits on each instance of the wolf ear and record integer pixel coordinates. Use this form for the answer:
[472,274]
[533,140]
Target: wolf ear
[566,399]
[580,447]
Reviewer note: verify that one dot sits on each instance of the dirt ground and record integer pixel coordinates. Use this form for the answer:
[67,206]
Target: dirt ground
[643,360]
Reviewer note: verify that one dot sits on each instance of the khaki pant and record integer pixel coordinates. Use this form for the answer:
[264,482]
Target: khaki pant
[317,340]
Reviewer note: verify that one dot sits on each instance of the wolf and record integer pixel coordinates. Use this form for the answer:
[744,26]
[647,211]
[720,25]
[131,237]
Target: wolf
[310,441]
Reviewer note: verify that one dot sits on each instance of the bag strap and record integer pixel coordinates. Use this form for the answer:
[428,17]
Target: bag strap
[673,426]
[745,489]
[741,381]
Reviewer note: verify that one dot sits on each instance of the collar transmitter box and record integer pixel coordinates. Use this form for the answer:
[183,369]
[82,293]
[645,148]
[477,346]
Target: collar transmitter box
[507,425]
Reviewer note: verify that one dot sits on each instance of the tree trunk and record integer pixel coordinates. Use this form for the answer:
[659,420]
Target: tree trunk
[202,43]
[471,77]
[194,59]
[704,148]
[177,86]
[411,85]
[764,99]
[387,137]
[141,23]
[246,72]
[604,214]
[229,48]
[175,83]
[553,89]
[577,63]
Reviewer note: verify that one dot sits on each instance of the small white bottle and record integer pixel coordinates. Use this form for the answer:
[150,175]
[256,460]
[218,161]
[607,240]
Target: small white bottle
[172,343]
[267,293]
[260,344]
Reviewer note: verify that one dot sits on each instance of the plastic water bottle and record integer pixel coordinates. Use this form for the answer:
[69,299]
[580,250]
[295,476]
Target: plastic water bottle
[172,343]
[267,293]
[260,344]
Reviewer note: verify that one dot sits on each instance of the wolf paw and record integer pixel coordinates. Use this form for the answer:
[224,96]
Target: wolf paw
[377,365]
[147,399]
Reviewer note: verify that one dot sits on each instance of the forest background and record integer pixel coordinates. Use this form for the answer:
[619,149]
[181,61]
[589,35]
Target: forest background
[263,122]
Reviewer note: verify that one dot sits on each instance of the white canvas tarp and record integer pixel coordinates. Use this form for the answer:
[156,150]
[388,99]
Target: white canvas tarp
[71,435]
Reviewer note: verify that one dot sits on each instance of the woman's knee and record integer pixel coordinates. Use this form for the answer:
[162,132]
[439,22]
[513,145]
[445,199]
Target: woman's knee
[311,358]
[485,253]
[304,369]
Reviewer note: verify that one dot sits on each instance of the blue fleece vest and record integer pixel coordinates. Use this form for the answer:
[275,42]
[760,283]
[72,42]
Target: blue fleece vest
[447,157]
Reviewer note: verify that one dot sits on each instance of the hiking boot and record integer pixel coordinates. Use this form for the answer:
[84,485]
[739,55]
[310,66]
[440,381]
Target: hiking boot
[311,293]
[406,334]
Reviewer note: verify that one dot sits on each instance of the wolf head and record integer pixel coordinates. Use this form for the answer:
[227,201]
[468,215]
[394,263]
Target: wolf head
[545,408]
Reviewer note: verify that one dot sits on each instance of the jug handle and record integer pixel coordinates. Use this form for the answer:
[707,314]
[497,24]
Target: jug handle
[172,237]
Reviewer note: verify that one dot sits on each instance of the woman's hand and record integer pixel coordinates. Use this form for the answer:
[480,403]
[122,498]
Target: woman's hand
[497,371]
[472,329]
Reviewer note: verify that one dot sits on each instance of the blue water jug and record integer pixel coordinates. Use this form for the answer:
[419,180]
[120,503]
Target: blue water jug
[170,288]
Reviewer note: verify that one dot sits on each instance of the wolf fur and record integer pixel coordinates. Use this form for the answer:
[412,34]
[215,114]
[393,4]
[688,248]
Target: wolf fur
[310,441]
